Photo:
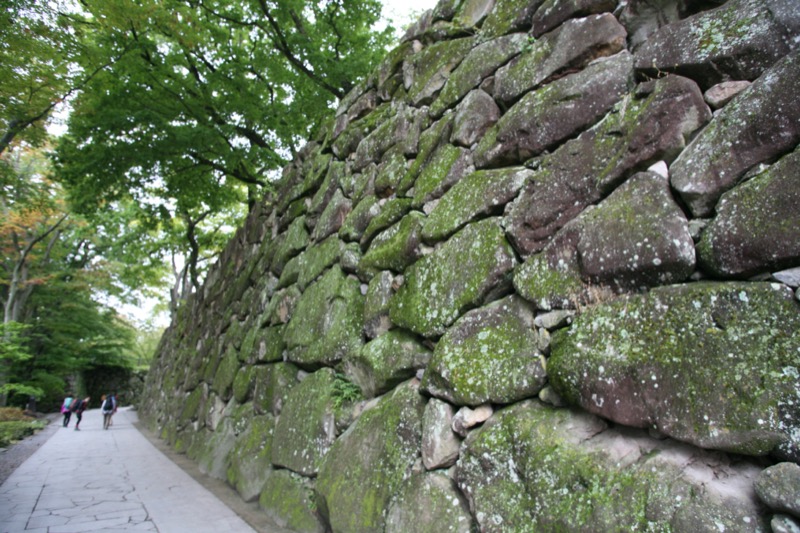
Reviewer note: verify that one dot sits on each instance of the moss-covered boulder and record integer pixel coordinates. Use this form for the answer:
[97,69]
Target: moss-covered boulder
[272,384]
[212,454]
[738,40]
[480,194]
[359,218]
[545,117]
[425,73]
[446,167]
[637,237]
[306,428]
[387,361]
[243,384]
[376,305]
[326,325]
[654,122]
[571,46]
[536,468]
[756,227]
[395,248]
[429,502]
[317,258]
[290,243]
[550,13]
[330,221]
[392,211]
[479,63]
[289,500]
[760,124]
[459,275]
[226,372]
[250,459]
[368,463]
[713,364]
[489,355]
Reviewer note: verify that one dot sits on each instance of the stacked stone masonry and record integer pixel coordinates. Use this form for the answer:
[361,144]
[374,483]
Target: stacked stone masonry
[539,273]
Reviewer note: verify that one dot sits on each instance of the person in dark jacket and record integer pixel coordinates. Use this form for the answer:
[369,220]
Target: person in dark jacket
[80,407]
[66,409]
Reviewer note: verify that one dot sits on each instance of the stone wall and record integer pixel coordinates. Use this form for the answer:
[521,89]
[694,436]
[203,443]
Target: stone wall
[538,274]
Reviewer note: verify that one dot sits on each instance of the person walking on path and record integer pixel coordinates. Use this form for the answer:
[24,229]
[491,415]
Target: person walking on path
[80,407]
[65,409]
[108,407]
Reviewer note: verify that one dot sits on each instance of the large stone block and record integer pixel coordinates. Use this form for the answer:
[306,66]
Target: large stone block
[536,468]
[637,237]
[250,458]
[306,428]
[288,499]
[482,193]
[428,502]
[573,46]
[759,125]
[459,275]
[367,464]
[327,322]
[480,63]
[712,364]
[739,40]
[555,112]
[652,123]
[489,355]
[387,361]
[756,227]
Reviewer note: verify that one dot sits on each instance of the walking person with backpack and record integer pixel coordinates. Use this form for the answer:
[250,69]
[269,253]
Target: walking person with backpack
[108,407]
[65,409]
[78,407]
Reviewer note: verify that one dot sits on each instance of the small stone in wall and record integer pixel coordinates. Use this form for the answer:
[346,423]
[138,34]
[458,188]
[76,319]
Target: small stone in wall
[467,418]
[439,444]
[722,93]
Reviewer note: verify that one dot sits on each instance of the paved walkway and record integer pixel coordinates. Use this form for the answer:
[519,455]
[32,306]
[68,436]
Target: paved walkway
[108,480]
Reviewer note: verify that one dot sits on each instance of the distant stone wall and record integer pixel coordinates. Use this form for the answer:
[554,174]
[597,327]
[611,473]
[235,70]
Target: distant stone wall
[539,274]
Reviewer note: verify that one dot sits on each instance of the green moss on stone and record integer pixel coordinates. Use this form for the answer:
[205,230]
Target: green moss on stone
[223,379]
[435,172]
[243,384]
[395,248]
[392,211]
[327,321]
[288,499]
[456,277]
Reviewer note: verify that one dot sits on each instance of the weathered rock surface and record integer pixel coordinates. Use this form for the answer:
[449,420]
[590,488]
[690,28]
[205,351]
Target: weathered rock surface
[428,502]
[637,237]
[353,495]
[736,41]
[761,124]
[250,459]
[779,488]
[327,322]
[306,428]
[286,499]
[533,467]
[387,361]
[459,275]
[489,355]
[556,112]
[756,228]
[653,123]
[638,362]
[439,444]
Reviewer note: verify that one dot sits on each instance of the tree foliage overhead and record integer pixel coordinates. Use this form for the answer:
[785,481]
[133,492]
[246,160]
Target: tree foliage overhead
[203,102]
[208,95]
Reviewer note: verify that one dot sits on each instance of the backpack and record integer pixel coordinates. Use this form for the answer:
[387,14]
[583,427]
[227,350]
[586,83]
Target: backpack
[108,404]
[75,405]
